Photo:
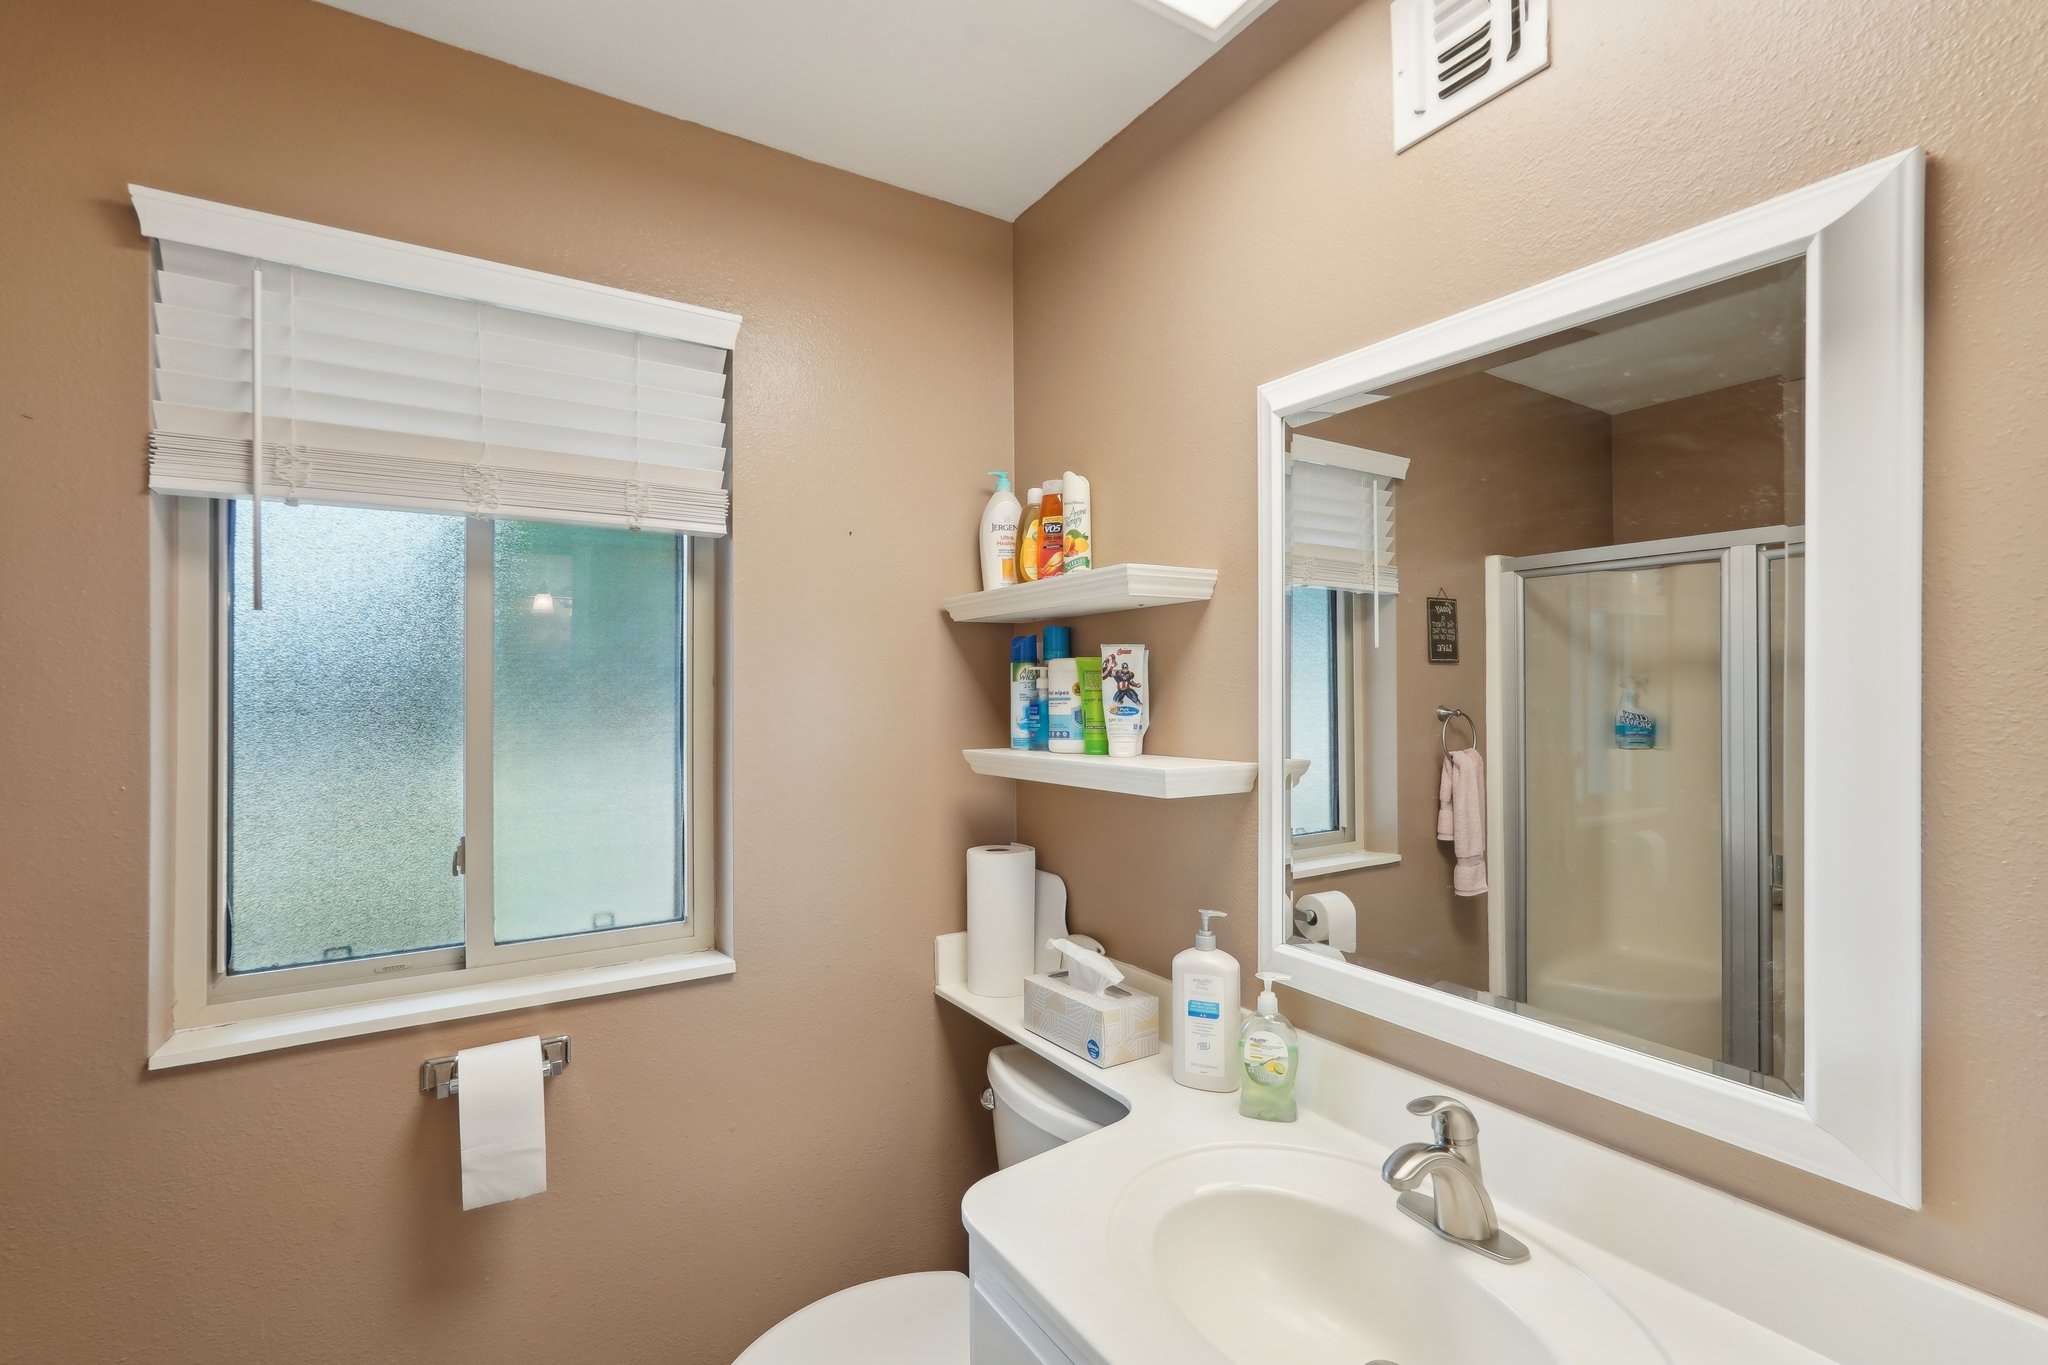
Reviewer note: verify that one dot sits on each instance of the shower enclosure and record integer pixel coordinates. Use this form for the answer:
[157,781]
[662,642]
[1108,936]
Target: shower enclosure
[1646,881]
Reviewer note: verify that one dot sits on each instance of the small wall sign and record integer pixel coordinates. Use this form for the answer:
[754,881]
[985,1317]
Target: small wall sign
[1443,630]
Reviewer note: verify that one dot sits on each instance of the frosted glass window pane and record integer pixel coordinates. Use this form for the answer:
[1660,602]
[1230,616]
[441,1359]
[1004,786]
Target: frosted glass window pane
[586,730]
[345,756]
[1312,730]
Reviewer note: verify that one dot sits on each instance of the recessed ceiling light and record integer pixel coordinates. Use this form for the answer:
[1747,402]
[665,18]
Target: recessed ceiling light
[1213,19]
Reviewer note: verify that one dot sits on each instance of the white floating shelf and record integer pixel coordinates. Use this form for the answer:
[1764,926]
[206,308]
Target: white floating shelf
[1114,587]
[1150,775]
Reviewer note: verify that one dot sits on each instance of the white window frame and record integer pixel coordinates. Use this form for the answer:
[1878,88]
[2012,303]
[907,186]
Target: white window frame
[1343,630]
[1862,234]
[1347,847]
[200,1013]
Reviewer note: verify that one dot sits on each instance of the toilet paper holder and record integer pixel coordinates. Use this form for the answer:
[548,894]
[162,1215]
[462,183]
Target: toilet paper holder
[438,1074]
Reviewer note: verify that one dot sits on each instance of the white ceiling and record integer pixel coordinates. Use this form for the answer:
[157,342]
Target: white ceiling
[1748,328]
[986,103]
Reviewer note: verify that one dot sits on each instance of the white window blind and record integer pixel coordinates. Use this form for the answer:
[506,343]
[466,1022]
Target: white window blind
[1340,528]
[1340,519]
[377,374]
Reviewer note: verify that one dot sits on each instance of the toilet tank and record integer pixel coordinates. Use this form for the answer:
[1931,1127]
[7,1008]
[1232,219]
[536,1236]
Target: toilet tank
[1038,1106]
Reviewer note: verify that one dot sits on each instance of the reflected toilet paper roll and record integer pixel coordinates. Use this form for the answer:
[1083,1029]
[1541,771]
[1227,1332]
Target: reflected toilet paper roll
[503,1121]
[1319,949]
[1002,918]
[1327,917]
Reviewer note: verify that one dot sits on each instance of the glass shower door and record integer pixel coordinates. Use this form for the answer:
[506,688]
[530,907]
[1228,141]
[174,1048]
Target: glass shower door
[1654,695]
[1623,877]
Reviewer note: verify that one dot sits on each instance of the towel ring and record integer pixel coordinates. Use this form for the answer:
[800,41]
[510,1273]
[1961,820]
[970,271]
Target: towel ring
[1447,714]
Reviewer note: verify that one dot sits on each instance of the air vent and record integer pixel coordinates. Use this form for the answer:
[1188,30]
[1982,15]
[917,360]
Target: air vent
[1451,56]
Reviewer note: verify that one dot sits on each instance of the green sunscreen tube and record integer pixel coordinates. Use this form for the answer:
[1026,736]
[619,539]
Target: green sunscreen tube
[1094,735]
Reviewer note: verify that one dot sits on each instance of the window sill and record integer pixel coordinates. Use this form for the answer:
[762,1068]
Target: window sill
[190,1046]
[1346,860]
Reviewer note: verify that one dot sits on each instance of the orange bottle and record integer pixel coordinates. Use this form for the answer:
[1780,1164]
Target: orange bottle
[1030,537]
[1052,552]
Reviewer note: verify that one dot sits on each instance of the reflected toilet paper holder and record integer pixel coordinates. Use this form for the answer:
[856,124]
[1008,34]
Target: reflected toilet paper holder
[438,1074]
[1327,917]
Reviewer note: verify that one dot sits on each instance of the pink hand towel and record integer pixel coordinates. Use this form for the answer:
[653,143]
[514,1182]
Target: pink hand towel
[1461,819]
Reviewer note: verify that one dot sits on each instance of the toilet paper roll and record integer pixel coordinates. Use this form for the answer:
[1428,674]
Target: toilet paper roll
[1002,918]
[1328,917]
[1319,949]
[503,1122]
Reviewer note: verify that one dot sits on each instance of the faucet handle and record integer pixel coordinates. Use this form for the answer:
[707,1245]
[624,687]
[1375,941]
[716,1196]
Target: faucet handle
[1449,1120]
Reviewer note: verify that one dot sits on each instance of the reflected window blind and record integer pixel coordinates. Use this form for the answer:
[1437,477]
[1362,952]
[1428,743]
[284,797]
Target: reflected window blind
[1340,528]
[375,394]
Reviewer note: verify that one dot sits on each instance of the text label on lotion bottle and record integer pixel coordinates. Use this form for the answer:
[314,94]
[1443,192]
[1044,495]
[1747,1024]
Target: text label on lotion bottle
[1205,1023]
[1205,987]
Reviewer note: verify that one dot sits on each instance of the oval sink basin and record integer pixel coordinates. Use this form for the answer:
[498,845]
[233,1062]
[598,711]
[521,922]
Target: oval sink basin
[1285,1254]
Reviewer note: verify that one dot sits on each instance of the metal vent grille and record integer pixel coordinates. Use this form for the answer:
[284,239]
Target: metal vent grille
[1451,56]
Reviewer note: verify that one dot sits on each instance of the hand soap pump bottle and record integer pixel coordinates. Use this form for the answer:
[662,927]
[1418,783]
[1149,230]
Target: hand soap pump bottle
[1205,1006]
[1268,1049]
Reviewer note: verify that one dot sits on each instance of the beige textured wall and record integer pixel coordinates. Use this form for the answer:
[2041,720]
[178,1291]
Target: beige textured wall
[1712,462]
[721,1152]
[1496,468]
[1256,221]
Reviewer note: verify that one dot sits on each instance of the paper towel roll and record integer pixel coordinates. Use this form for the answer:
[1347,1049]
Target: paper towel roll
[503,1122]
[1335,920]
[1002,918]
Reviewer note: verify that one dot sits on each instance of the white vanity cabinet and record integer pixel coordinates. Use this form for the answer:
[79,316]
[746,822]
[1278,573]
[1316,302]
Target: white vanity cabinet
[1000,1329]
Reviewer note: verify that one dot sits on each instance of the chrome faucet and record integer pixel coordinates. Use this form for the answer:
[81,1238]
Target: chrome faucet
[1460,1210]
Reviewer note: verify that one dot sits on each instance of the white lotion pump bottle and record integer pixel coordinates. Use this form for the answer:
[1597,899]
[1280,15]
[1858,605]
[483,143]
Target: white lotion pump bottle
[1205,1012]
[999,535]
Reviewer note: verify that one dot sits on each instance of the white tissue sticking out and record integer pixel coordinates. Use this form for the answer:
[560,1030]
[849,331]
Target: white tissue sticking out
[1086,971]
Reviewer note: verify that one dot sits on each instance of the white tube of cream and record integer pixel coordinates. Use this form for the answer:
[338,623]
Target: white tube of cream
[1126,699]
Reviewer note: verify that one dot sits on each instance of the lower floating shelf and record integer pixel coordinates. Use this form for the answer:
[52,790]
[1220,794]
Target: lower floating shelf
[1149,775]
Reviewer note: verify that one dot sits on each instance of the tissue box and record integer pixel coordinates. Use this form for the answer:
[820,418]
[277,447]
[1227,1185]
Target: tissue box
[1120,1026]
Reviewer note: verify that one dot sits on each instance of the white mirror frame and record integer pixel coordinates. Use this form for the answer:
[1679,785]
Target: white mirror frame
[1859,1120]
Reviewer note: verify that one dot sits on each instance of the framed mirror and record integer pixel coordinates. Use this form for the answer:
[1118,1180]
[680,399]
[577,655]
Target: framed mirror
[1590,678]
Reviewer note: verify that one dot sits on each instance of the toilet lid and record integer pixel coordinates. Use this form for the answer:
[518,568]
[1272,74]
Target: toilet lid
[903,1320]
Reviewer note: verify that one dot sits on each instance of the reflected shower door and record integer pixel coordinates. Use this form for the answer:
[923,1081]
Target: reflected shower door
[1652,867]
[1623,877]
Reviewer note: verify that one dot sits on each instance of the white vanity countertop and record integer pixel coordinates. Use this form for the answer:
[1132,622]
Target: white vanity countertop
[1712,1279]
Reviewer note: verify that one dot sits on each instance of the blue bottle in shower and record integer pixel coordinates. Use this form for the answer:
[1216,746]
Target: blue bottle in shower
[1633,728]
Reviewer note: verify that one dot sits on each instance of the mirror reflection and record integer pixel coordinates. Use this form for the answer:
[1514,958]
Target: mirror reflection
[1545,677]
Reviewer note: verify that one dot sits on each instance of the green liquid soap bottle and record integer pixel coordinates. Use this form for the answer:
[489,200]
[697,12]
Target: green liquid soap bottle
[1268,1050]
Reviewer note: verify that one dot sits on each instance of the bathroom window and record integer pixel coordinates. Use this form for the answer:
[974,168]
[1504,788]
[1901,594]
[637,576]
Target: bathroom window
[445,750]
[432,723]
[1320,678]
[1340,682]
